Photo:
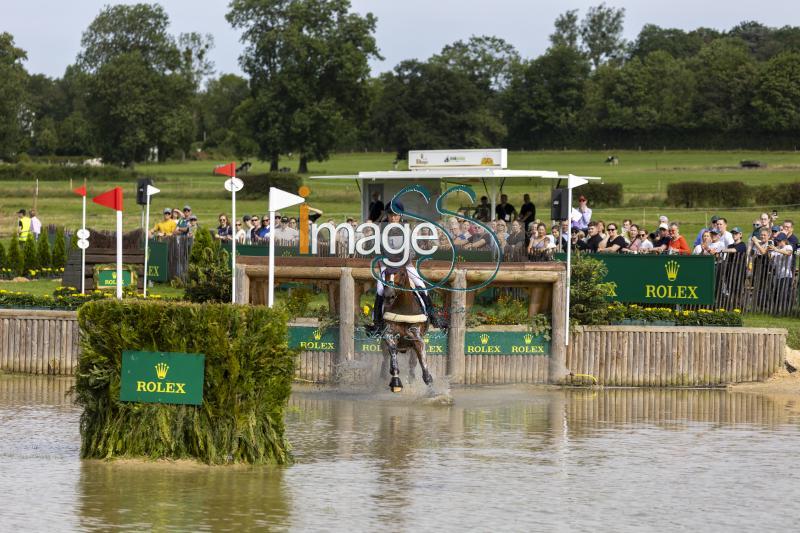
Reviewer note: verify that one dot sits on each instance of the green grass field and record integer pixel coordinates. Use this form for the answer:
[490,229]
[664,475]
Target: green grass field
[644,175]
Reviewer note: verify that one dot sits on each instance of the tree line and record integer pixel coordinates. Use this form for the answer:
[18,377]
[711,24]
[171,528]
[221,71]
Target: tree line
[138,92]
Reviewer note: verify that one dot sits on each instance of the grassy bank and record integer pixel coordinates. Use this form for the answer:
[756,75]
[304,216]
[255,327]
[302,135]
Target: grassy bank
[644,175]
[792,325]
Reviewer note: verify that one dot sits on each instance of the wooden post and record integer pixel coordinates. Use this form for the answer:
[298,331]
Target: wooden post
[456,360]
[242,286]
[346,316]
[558,357]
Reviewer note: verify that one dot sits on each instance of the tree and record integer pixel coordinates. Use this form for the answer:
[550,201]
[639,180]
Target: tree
[777,95]
[486,60]
[59,256]
[217,105]
[544,101]
[15,259]
[726,78]
[30,259]
[12,97]
[676,42]
[308,67]
[567,31]
[601,33]
[427,105]
[43,251]
[45,136]
[142,84]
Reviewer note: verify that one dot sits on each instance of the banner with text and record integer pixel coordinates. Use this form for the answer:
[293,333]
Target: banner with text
[162,377]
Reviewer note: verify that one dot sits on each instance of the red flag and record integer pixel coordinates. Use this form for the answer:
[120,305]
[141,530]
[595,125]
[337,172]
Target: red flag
[226,170]
[80,190]
[112,199]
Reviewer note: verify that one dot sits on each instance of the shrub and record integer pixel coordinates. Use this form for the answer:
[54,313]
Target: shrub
[77,173]
[298,301]
[600,194]
[588,295]
[3,258]
[708,194]
[59,256]
[248,374]
[618,312]
[209,276]
[30,256]
[15,259]
[257,185]
[43,251]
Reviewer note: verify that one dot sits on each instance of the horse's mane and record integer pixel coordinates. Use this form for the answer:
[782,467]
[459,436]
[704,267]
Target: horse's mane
[405,302]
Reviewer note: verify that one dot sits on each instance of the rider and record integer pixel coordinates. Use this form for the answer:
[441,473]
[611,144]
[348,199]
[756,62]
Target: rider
[395,238]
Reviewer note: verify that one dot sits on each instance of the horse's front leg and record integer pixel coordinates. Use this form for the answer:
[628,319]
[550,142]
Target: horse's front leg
[390,341]
[419,347]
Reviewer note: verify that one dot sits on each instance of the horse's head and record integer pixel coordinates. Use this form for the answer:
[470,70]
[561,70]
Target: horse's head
[393,278]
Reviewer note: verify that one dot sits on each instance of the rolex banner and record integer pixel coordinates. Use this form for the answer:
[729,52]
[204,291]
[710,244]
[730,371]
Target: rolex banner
[505,343]
[162,377]
[661,279]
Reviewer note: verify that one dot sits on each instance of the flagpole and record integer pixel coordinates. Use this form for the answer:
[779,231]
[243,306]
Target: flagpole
[233,241]
[271,282]
[146,239]
[83,250]
[119,254]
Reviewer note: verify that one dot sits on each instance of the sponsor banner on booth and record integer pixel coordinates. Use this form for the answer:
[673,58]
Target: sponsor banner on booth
[313,339]
[481,158]
[162,377]
[660,279]
[505,343]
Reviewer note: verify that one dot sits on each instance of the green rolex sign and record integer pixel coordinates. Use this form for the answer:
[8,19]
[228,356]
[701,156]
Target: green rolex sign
[505,343]
[105,276]
[162,377]
[313,339]
[435,343]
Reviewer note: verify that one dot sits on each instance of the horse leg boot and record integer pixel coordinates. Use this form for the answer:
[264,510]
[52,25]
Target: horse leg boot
[395,385]
[419,347]
[434,319]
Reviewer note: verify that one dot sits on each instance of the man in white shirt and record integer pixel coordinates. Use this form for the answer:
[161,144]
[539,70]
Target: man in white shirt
[36,225]
[724,235]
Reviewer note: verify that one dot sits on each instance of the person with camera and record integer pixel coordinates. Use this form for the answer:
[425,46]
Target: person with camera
[759,244]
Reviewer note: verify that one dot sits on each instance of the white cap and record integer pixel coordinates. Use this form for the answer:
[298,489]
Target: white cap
[663,218]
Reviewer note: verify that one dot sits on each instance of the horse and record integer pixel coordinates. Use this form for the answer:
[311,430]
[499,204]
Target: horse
[406,324]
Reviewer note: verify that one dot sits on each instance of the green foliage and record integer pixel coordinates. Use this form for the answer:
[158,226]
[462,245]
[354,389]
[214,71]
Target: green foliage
[298,300]
[12,98]
[63,298]
[309,65]
[209,275]
[3,258]
[59,256]
[702,194]
[43,251]
[603,194]
[202,240]
[30,256]
[588,293]
[15,261]
[248,374]
[76,173]
[257,185]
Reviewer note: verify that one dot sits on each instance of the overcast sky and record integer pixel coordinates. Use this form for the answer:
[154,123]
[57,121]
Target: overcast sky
[50,30]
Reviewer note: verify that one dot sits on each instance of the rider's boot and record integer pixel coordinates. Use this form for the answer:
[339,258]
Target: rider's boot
[435,319]
[377,316]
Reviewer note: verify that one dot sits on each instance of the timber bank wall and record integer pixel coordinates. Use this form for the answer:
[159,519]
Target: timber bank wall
[47,342]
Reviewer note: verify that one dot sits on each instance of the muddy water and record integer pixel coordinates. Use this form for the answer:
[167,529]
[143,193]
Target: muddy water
[498,459]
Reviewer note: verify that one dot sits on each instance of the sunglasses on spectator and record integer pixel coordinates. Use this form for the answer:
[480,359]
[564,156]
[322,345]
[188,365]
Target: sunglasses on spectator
[612,229]
[264,220]
[238,223]
[643,235]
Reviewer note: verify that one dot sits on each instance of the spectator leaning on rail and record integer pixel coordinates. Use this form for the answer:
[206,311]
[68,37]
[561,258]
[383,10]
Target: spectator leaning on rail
[592,240]
[224,231]
[791,238]
[182,227]
[662,239]
[615,243]
[738,247]
[725,236]
[166,226]
[677,244]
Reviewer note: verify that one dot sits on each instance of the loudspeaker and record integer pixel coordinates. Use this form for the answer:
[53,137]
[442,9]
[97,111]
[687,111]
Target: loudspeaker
[559,210]
[141,190]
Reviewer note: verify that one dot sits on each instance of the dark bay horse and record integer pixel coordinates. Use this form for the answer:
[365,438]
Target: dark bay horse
[406,324]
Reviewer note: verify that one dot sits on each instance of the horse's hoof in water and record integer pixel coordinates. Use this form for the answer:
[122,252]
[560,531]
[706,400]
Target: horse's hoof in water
[427,378]
[395,384]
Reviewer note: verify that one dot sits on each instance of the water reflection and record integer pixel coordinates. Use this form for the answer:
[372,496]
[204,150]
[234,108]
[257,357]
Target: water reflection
[500,458]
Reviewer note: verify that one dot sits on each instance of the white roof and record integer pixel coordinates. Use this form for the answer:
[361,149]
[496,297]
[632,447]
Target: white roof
[478,173]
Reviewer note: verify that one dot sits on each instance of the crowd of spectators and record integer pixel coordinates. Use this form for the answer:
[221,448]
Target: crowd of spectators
[177,222]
